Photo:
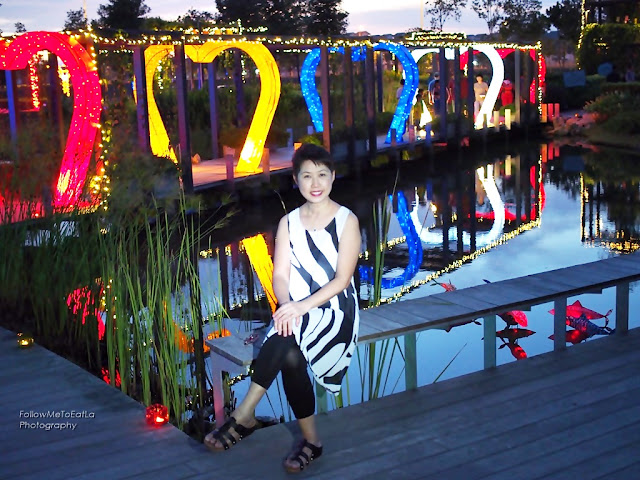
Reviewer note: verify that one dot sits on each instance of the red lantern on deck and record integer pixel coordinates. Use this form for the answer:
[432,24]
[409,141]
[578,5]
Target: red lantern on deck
[157,414]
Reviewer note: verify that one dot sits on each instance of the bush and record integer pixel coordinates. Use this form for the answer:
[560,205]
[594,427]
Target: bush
[572,98]
[610,42]
[612,104]
[624,123]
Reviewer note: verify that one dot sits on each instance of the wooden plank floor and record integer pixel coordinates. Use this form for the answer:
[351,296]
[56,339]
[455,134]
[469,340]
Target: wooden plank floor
[573,414]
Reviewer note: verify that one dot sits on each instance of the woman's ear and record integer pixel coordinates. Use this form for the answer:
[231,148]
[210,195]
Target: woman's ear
[295,180]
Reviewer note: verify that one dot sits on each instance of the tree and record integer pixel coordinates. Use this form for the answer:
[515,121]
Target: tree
[196,19]
[566,17]
[122,14]
[248,12]
[76,20]
[522,20]
[326,17]
[286,17]
[490,11]
[441,10]
[20,28]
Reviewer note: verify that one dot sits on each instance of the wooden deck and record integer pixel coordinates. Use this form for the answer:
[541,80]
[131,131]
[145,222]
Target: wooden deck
[212,173]
[570,414]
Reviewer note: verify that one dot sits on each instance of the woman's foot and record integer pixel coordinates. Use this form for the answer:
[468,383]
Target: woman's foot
[303,453]
[230,433]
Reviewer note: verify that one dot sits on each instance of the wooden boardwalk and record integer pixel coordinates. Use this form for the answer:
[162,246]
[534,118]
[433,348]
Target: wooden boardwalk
[212,173]
[572,414]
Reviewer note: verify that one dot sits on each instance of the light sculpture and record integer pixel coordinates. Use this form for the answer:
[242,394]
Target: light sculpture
[413,243]
[256,248]
[403,109]
[253,148]
[497,78]
[504,52]
[158,137]
[33,83]
[488,182]
[85,120]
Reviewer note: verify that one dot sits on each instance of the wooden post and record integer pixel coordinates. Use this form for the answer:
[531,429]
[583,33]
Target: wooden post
[183,118]
[560,324]
[489,341]
[55,100]
[446,217]
[266,165]
[228,162]
[537,85]
[369,86]
[527,186]
[457,97]
[518,165]
[526,120]
[517,86]
[14,108]
[411,362]
[213,108]
[325,97]
[472,208]
[241,109]
[348,110]
[470,93]
[444,77]
[460,220]
[142,109]
[379,78]
[622,308]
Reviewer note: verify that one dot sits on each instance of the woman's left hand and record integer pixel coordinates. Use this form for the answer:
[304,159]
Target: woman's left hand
[284,317]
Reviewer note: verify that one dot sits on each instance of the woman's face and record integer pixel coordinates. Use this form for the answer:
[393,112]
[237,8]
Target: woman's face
[315,181]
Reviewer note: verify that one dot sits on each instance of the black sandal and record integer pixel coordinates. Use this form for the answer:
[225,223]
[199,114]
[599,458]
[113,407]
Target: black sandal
[299,455]
[225,437]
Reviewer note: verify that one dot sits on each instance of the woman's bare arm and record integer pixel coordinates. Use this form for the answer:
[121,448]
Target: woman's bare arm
[282,263]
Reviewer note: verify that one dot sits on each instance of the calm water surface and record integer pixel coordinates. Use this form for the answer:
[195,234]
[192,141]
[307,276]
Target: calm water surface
[541,208]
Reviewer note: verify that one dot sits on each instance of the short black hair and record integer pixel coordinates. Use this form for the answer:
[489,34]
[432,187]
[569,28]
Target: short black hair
[315,153]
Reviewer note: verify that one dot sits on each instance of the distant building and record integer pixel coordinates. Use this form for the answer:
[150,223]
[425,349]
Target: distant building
[611,11]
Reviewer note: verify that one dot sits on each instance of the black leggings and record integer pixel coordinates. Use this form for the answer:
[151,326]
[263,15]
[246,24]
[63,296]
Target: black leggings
[282,354]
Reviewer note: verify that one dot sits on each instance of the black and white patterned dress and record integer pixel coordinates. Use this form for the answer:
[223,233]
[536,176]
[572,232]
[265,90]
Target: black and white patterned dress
[327,334]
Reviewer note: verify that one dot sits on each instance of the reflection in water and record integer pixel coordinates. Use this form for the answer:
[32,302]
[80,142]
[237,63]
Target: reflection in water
[516,350]
[617,194]
[451,220]
[510,338]
[258,253]
[413,245]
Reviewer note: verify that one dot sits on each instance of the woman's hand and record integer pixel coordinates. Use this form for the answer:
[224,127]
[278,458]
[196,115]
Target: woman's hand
[285,316]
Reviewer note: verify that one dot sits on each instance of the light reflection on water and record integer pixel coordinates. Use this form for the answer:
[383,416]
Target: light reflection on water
[534,213]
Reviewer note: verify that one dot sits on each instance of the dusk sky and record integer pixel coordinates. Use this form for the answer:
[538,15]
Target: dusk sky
[374,16]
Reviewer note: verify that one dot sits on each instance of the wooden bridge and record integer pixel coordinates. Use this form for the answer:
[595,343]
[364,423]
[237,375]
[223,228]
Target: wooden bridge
[571,413]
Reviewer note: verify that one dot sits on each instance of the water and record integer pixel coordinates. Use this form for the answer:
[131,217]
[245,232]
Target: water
[541,209]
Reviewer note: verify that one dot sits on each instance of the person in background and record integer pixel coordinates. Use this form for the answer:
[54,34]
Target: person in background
[417,109]
[629,75]
[506,93]
[614,76]
[399,90]
[480,89]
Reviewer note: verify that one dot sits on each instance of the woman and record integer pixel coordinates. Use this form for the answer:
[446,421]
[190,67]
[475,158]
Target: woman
[316,322]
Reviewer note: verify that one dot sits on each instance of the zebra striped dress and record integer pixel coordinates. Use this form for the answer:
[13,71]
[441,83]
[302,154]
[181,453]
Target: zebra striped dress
[327,334]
